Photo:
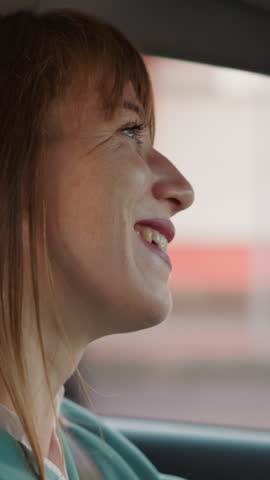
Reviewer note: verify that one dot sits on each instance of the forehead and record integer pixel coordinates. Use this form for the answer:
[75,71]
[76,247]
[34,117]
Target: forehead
[128,102]
[74,112]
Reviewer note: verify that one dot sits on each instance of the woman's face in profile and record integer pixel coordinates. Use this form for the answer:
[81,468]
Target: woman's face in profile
[101,178]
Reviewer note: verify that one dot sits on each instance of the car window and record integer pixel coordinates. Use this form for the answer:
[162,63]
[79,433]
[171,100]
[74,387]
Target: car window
[209,362]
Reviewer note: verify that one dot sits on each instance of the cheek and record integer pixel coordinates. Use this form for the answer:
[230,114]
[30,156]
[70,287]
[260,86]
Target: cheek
[131,175]
[92,206]
[91,199]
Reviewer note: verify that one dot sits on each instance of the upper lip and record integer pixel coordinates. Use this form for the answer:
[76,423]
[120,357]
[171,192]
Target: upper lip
[162,225]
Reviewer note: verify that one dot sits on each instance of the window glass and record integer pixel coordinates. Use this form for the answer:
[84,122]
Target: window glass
[209,361]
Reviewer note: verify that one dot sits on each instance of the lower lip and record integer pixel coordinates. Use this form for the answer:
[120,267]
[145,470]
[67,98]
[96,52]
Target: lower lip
[157,250]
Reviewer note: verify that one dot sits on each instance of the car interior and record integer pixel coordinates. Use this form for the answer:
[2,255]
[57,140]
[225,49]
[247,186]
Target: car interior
[227,33]
[230,33]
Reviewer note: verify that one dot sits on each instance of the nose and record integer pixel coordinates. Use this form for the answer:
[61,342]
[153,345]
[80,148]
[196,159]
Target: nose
[170,184]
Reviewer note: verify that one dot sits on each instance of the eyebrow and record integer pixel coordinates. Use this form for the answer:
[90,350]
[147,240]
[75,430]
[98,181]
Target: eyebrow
[133,107]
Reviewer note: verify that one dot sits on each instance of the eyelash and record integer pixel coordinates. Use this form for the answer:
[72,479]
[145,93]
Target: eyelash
[137,130]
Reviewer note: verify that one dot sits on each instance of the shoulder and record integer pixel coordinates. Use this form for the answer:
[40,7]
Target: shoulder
[13,463]
[13,460]
[110,446]
[107,447]
[77,414]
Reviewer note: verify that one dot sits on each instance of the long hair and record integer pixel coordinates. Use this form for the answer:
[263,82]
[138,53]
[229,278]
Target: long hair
[43,58]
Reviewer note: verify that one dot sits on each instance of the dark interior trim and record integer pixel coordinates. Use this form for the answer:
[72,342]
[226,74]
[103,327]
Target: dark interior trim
[199,452]
[220,32]
[259,4]
[233,33]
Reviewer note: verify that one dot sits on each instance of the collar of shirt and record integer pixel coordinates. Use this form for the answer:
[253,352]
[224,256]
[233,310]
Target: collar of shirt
[10,422]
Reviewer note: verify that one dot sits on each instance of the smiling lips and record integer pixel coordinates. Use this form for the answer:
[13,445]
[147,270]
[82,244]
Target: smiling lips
[155,234]
[163,226]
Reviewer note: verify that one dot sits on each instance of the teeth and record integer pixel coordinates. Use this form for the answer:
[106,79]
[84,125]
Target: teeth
[150,235]
[147,234]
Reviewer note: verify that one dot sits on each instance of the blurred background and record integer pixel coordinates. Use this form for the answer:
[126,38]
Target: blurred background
[209,361]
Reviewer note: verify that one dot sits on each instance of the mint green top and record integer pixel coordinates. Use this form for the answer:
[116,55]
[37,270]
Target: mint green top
[115,457]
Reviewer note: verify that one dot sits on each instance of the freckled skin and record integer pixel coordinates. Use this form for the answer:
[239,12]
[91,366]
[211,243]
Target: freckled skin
[98,183]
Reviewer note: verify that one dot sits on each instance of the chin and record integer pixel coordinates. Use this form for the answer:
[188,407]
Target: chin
[152,314]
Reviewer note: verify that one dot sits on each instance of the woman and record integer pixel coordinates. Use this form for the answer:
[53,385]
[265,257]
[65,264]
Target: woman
[78,174]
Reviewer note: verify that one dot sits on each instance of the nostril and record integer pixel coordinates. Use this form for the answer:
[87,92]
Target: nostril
[175,201]
[182,201]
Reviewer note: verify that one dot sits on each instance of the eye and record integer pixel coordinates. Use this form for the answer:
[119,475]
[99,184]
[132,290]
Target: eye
[135,131]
